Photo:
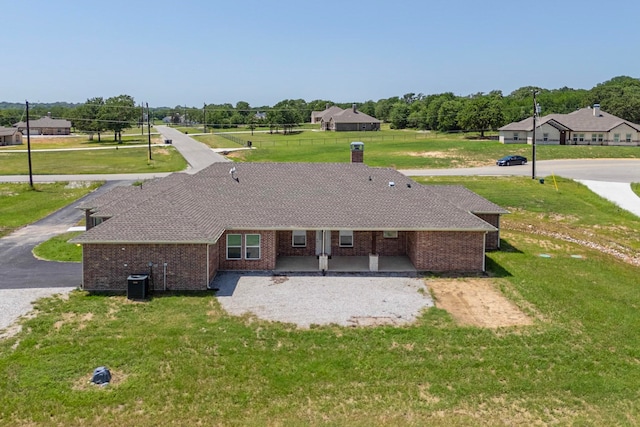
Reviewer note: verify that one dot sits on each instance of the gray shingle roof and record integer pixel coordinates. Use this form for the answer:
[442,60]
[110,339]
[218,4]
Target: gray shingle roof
[45,122]
[466,199]
[582,120]
[306,196]
[7,131]
[351,115]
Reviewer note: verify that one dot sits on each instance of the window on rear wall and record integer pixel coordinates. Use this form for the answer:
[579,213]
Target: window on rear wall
[346,238]
[390,234]
[252,246]
[234,246]
[299,239]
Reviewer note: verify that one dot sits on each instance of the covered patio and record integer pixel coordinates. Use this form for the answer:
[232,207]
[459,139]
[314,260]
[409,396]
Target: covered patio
[345,264]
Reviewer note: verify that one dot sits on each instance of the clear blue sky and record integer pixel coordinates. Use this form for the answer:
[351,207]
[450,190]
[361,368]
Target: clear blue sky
[187,52]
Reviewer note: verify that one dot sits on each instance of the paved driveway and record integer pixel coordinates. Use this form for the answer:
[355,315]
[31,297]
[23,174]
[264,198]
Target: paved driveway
[20,269]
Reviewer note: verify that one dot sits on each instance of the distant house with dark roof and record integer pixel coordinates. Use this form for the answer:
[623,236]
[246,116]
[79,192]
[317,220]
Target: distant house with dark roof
[45,126]
[317,116]
[587,126]
[336,119]
[10,136]
[183,229]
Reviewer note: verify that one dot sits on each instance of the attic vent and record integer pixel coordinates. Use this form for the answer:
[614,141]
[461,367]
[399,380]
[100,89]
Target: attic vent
[392,184]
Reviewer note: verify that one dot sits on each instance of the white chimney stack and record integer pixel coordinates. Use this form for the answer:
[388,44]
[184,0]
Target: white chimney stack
[596,110]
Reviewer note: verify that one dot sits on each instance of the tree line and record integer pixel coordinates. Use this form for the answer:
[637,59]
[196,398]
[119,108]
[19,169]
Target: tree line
[443,112]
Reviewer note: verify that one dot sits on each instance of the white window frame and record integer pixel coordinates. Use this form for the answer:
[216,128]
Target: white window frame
[545,136]
[390,234]
[600,137]
[247,246]
[234,246]
[299,233]
[347,234]
[581,137]
[516,136]
[616,137]
[594,137]
[627,137]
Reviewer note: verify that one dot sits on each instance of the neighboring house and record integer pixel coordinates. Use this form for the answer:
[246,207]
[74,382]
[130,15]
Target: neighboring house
[317,116]
[10,136]
[587,126]
[351,120]
[184,228]
[45,126]
[336,119]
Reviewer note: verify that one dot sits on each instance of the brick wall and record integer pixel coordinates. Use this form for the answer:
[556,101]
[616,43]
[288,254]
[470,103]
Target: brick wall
[268,249]
[447,251]
[493,237]
[214,261]
[285,248]
[362,244]
[107,266]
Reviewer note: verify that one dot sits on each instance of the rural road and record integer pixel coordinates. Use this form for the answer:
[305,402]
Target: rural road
[607,170]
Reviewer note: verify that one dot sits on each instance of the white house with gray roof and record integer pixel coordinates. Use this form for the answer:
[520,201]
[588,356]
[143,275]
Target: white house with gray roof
[183,229]
[587,126]
[10,136]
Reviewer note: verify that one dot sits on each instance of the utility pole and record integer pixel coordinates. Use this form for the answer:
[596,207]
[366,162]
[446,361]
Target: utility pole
[204,115]
[29,146]
[533,141]
[141,119]
[148,129]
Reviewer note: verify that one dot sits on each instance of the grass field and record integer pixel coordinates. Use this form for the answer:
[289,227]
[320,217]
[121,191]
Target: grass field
[20,205]
[129,160]
[180,359]
[58,248]
[399,149]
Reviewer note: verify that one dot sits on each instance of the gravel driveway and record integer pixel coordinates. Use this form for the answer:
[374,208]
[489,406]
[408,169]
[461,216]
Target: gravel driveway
[321,300]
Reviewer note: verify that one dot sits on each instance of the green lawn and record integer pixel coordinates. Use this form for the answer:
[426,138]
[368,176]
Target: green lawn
[129,160]
[180,359]
[20,205]
[636,188]
[400,149]
[58,248]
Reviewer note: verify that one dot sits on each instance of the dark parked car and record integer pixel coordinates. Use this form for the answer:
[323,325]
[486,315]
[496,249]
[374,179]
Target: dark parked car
[511,160]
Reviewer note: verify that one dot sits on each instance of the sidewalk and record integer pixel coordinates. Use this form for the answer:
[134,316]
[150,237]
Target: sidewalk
[619,193]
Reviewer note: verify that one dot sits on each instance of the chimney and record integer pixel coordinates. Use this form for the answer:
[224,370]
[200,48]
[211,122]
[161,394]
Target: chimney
[596,110]
[357,152]
[326,106]
[49,114]
[353,106]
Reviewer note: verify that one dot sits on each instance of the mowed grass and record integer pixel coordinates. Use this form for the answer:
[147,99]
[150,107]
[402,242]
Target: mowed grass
[180,359]
[129,160]
[20,205]
[399,149]
[129,137]
[58,248]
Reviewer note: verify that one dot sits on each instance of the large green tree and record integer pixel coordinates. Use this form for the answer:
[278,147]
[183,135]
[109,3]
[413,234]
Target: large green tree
[118,113]
[87,117]
[399,115]
[481,113]
[619,96]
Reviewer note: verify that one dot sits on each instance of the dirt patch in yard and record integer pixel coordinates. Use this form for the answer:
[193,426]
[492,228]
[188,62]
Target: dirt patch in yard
[477,302]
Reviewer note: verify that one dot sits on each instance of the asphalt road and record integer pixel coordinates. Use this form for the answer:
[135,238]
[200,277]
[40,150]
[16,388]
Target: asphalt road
[607,170]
